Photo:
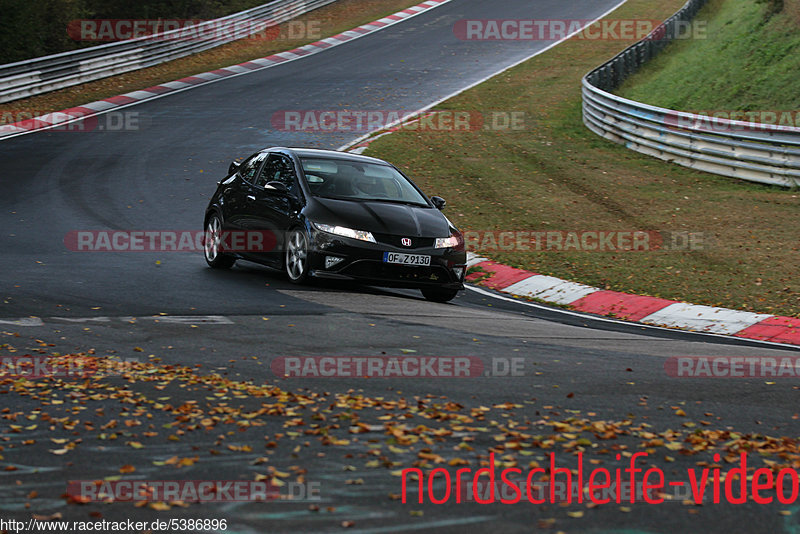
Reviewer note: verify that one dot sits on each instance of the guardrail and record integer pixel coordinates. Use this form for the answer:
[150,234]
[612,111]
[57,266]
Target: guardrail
[49,73]
[764,153]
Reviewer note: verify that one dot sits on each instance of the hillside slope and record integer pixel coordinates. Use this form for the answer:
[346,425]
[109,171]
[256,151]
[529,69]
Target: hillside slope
[749,61]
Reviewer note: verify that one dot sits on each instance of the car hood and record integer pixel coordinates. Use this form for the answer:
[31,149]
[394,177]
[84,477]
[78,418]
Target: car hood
[380,217]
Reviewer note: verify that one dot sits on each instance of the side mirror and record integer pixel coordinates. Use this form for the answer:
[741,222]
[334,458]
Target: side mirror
[279,187]
[234,166]
[438,202]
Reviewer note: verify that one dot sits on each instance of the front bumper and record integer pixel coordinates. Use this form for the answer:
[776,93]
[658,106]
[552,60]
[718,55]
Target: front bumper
[363,261]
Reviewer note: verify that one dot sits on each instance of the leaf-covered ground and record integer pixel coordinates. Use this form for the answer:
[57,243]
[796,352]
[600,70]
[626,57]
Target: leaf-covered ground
[147,417]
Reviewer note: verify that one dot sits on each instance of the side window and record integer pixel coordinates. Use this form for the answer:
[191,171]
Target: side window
[278,168]
[250,166]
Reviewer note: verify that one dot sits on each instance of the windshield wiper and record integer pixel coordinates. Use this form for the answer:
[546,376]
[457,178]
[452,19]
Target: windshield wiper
[389,200]
[393,201]
[333,197]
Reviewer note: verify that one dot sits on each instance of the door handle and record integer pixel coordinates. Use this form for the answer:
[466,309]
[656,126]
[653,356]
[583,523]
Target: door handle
[251,197]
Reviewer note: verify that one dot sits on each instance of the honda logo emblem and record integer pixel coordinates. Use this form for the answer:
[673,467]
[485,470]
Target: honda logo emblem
[406,241]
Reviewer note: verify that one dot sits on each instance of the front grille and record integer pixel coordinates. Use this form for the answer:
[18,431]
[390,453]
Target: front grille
[395,241]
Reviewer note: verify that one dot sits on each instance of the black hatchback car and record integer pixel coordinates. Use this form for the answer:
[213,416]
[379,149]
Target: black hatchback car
[328,214]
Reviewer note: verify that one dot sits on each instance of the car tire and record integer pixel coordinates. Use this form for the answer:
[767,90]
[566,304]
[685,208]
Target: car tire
[212,245]
[438,294]
[296,255]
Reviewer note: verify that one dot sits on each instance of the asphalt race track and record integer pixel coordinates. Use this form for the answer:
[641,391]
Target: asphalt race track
[161,176]
[169,304]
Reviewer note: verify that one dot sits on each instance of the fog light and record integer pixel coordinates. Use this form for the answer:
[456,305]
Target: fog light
[458,271]
[330,261]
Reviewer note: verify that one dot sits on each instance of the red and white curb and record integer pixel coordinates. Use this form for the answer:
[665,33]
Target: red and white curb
[634,308]
[63,117]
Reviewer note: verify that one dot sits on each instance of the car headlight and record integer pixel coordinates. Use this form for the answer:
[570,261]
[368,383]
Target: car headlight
[361,235]
[454,241]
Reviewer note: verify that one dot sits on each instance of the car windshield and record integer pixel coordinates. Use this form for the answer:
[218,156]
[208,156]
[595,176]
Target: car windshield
[356,180]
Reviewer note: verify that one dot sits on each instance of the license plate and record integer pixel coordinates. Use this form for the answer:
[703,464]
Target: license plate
[406,259]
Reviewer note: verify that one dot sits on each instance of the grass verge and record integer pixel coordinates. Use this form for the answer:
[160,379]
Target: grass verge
[755,67]
[556,175]
[321,23]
